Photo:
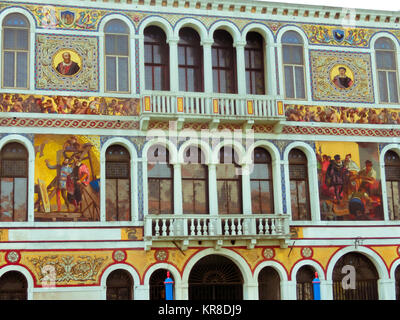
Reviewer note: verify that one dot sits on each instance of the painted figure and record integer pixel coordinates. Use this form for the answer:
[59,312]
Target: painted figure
[342,81]
[67,67]
[335,176]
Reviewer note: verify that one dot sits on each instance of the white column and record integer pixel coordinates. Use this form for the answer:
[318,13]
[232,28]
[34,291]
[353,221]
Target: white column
[290,292]
[384,192]
[241,68]
[313,191]
[326,290]
[207,64]
[178,210]
[173,64]
[212,189]
[250,291]
[141,292]
[286,288]
[270,70]
[387,289]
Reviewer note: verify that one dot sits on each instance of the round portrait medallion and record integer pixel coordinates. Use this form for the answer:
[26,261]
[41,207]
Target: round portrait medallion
[342,77]
[67,62]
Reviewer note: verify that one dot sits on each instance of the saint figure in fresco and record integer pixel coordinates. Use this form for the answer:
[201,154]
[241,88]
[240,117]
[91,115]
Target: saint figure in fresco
[342,81]
[67,67]
[78,179]
[368,176]
[335,176]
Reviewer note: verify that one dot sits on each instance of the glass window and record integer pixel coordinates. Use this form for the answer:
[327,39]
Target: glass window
[224,63]
[118,184]
[190,59]
[261,184]
[299,191]
[156,59]
[160,181]
[14,182]
[117,56]
[254,56]
[385,56]
[392,173]
[15,51]
[194,182]
[293,65]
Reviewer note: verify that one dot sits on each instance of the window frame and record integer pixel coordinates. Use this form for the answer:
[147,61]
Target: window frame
[388,166]
[255,70]
[15,52]
[117,57]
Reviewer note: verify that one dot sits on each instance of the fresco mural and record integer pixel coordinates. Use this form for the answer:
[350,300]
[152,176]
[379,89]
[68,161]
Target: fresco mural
[69,105]
[342,114]
[67,175]
[349,180]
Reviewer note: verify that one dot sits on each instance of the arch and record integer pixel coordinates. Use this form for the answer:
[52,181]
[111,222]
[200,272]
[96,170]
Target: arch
[307,262]
[370,254]
[393,267]
[262,29]
[158,21]
[162,265]
[116,16]
[26,13]
[237,146]
[269,146]
[237,259]
[279,268]
[25,272]
[195,24]
[228,26]
[384,34]
[283,30]
[172,149]
[134,174]
[204,146]
[393,146]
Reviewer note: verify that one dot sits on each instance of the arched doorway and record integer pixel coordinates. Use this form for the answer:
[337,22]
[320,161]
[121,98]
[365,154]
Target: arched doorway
[304,287]
[269,284]
[366,283]
[215,277]
[157,286]
[119,285]
[397,281]
[13,286]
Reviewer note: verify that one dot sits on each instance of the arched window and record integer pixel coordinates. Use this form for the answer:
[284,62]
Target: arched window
[15,51]
[269,284]
[224,63]
[157,286]
[304,287]
[190,59]
[262,191]
[385,54]
[392,173]
[160,181]
[117,56]
[293,64]
[194,182]
[14,182]
[156,59]
[119,285]
[229,182]
[118,184]
[13,286]
[299,191]
[254,56]
[397,282]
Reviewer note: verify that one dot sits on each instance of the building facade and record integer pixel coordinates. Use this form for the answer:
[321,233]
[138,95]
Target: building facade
[241,146]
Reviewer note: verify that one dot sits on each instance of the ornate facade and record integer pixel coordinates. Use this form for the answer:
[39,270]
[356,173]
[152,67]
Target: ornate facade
[241,147]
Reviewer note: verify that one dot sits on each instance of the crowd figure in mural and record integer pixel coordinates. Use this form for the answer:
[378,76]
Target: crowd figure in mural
[342,115]
[72,175]
[68,105]
[348,188]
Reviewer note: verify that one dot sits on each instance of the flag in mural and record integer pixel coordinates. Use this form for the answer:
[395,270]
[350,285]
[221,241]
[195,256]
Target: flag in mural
[349,181]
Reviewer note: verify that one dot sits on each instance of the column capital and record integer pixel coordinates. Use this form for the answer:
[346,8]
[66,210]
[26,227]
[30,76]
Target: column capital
[173,40]
[239,44]
[207,42]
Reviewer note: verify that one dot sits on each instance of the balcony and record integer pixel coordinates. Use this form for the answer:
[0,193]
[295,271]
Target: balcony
[211,108]
[217,228]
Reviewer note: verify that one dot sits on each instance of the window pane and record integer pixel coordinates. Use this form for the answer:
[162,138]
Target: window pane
[294,200]
[259,82]
[190,76]
[22,39]
[214,53]
[266,197]
[181,55]
[383,89]
[289,82]
[111,73]
[249,87]
[20,199]
[385,60]
[215,81]
[123,74]
[260,171]
[153,196]
[255,196]
[9,69]
[159,170]
[157,54]
[300,93]
[247,58]
[7,199]
[188,196]
[148,77]
[124,209]
[166,197]
[158,79]
[122,45]
[200,195]
[223,197]
[110,44]
[182,79]
[234,197]
[9,39]
[148,55]
[393,87]
[258,59]
[303,207]
[22,69]
[111,199]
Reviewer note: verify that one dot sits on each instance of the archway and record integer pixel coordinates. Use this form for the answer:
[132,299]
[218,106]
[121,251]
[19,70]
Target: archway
[269,284]
[13,286]
[304,277]
[215,277]
[119,285]
[397,281]
[366,281]
[157,286]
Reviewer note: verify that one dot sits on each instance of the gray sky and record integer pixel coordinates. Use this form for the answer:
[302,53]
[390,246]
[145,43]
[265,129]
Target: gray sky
[387,5]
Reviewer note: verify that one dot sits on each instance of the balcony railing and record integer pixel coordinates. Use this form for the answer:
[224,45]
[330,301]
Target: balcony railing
[201,104]
[197,227]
